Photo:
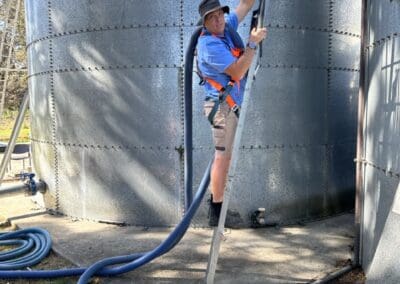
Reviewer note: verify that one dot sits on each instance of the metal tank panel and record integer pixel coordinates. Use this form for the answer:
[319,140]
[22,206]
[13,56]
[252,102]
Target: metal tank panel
[106,85]
[381,212]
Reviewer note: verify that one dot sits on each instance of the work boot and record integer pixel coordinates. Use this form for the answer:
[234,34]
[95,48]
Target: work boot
[233,219]
[214,212]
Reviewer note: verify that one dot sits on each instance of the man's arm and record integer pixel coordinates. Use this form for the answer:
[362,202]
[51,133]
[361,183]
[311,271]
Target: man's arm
[238,68]
[243,8]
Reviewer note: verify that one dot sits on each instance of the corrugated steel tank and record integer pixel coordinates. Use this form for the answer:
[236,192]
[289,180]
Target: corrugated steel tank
[106,86]
[381,162]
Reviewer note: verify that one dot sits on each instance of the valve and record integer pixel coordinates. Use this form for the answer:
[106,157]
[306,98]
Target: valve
[28,178]
[258,218]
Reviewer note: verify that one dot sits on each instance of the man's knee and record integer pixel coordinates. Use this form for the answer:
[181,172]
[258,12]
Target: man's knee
[222,157]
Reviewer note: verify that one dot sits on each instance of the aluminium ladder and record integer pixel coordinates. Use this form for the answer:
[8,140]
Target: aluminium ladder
[218,235]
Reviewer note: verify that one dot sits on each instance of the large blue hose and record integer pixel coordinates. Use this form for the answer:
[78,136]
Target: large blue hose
[34,245]
[37,241]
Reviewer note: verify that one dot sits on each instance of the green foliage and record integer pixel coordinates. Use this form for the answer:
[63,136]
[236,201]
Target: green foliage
[7,124]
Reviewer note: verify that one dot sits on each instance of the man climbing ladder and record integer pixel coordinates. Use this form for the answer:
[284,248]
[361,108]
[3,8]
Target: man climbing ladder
[223,63]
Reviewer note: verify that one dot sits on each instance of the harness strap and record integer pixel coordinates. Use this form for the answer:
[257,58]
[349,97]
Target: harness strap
[224,92]
[224,95]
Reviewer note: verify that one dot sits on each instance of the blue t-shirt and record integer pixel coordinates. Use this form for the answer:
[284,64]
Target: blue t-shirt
[214,56]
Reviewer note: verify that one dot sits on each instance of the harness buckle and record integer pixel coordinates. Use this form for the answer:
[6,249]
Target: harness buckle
[235,108]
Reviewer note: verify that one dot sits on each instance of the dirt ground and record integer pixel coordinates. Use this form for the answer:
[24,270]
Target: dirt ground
[52,261]
[356,276]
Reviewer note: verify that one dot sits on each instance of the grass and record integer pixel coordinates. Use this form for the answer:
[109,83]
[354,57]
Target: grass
[7,124]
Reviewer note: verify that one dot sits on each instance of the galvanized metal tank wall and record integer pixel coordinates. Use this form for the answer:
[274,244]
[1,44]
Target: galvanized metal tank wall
[106,83]
[381,214]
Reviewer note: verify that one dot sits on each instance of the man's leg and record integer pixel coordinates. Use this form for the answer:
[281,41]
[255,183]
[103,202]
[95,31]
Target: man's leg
[219,174]
[224,127]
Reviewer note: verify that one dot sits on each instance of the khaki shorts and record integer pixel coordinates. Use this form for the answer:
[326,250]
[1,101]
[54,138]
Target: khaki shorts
[224,128]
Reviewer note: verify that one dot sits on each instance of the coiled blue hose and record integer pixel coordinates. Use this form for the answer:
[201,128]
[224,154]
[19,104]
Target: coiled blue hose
[34,244]
[37,242]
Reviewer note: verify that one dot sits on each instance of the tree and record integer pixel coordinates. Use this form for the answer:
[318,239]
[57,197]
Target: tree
[17,80]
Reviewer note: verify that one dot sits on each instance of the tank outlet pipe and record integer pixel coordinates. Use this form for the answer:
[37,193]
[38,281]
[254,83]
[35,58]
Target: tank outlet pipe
[30,187]
[133,261]
[14,135]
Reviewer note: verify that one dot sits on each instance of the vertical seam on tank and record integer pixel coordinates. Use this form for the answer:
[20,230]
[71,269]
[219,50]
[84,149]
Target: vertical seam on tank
[328,149]
[53,110]
[182,111]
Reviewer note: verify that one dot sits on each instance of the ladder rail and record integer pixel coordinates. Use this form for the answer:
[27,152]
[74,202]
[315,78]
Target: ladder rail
[219,231]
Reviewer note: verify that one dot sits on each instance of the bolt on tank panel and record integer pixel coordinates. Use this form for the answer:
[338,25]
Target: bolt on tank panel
[375,86]
[40,107]
[342,107]
[74,15]
[201,158]
[133,117]
[384,80]
[345,52]
[346,16]
[43,165]
[305,13]
[384,19]
[38,57]
[98,50]
[281,179]
[341,179]
[142,189]
[286,108]
[295,47]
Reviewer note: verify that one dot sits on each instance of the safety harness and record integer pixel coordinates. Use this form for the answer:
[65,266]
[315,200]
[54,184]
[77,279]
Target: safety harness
[224,91]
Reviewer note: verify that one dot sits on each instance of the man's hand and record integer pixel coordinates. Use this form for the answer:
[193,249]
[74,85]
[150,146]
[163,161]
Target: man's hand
[239,68]
[243,8]
[257,35]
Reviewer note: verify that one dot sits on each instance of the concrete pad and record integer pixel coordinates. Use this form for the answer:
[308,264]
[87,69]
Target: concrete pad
[292,254]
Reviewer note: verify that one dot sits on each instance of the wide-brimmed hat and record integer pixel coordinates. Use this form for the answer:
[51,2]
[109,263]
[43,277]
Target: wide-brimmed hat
[208,6]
